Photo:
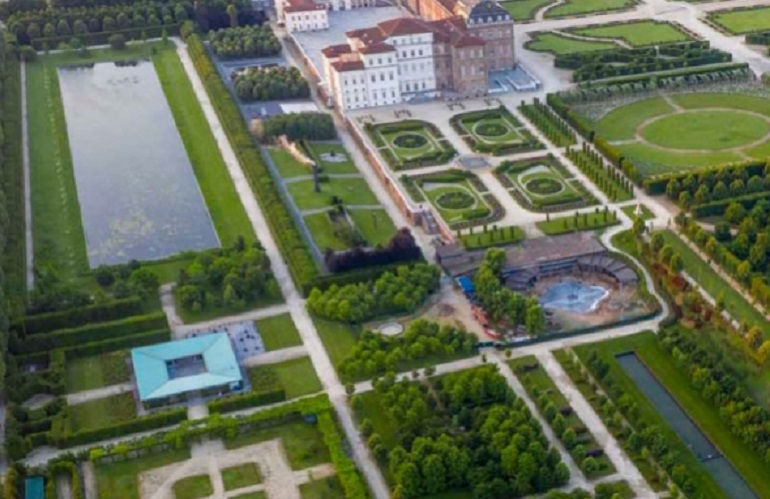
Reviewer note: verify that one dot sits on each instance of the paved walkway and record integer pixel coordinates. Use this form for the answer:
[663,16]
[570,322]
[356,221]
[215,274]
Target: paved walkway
[98,393]
[294,301]
[276,356]
[89,480]
[624,466]
[27,185]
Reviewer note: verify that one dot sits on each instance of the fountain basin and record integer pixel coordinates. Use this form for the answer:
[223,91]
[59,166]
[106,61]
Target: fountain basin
[573,296]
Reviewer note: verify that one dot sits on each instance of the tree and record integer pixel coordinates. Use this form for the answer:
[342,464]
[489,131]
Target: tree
[117,41]
[676,264]
[763,352]
[232,13]
[665,254]
[743,272]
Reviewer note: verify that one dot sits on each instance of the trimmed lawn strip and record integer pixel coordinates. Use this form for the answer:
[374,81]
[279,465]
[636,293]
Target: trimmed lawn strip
[537,382]
[211,312]
[621,123]
[586,221]
[302,441]
[645,345]
[96,371]
[630,211]
[278,332]
[493,237]
[524,10]
[326,488]
[579,7]
[243,475]
[637,33]
[193,487]
[101,412]
[287,166]
[740,21]
[322,231]
[338,338]
[120,480]
[252,495]
[351,191]
[318,148]
[375,226]
[557,44]
[298,377]
[218,190]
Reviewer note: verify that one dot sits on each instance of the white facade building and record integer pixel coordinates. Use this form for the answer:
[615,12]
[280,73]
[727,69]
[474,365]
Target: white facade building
[304,15]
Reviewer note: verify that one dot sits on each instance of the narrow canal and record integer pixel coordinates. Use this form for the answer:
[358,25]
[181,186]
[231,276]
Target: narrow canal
[712,461]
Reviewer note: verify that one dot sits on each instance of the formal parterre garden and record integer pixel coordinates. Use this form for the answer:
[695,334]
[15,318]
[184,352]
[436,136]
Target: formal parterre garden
[410,144]
[458,196]
[543,184]
[494,131]
[525,10]
[636,33]
[679,132]
[741,21]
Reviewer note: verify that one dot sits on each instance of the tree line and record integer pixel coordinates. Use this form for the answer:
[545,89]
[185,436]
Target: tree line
[275,83]
[244,42]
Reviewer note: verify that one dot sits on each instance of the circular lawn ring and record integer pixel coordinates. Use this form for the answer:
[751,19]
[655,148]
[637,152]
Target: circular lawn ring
[409,140]
[491,129]
[711,130]
[544,186]
[455,200]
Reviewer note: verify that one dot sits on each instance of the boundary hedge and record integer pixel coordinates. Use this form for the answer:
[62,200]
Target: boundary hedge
[43,323]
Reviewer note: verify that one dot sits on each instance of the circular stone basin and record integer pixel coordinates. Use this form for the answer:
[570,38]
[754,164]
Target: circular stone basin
[711,130]
[491,129]
[455,200]
[333,158]
[410,141]
[391,329]
[573,296]
[544,186]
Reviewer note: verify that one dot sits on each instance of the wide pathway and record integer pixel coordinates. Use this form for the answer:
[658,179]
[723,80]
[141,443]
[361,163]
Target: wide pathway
[276,356]
[98,393]
[296,304]
[624,466]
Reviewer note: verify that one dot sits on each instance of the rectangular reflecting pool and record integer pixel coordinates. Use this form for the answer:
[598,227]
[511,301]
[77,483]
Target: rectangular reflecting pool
[712,461]
[139,198]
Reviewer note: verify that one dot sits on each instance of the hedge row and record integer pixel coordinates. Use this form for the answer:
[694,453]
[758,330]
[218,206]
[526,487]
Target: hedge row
[136,340]
[62,438]
[102,38]
[657,185]
[246,400]
[578,122]
[89,333]
[43,323]
[348,474]
[718,208]
[288,238]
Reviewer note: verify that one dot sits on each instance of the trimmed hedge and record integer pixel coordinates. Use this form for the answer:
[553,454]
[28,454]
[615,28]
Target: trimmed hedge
[246,400]
[657,185]
[298,257]
[102,38]
[718,208]
[88,333]
[43,323]
[136,340]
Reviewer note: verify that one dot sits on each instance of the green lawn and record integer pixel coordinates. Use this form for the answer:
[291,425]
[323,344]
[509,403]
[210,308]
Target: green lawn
[545,187]
[375,226]
[637,33]
[322,230]
[350,190]
[578,7]
[326,488]
[621,123]
[319,151]
[338,338]
[252,495]
[96,371]
[630,211]
[243,475]
[303,443]
[560,45]
[753,103]
[537,382]
[298,377]
[121,480]
[496,128]
[439,194]
[742,21]
[650,161]
[212,312]
[493,237]
[746,462]
[278,332]
[524,10]
[372,409]
[695,130]
[193,487]
[287,166]
[101,412]
[397,142]
[218,190]
[591,221]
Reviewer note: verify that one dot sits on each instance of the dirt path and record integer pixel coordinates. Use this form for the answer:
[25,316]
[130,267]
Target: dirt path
[89,480]
[63,487]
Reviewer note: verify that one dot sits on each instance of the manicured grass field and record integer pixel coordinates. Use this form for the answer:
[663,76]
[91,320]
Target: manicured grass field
[327,488]
[101,412]
[303,443]
[322,230]
[537,383]
[375,226]
[218,190]
[278,332]
[320,150]
[372,409]
[658,140]
[350,190]
[298,377]
[120,480]
[338,338]
[243,475]
[210,313]
[742,21]
[287,166]
[560,45]
[252,495]
[439,193]
[630,211]
[524,10]
[707,418]
[578,7]
[96,371]
[544,187]
[638,33]
[496,127]
[193,487]
[500,236]
[591,221]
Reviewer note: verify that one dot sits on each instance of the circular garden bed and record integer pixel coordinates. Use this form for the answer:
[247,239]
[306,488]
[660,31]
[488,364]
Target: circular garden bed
[544,186]
[410,141]
[455,200]
[491,129]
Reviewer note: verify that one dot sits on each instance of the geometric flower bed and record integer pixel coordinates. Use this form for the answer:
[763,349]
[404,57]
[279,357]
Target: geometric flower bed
[410,144]
[458,196]
[543,184]
[494,131]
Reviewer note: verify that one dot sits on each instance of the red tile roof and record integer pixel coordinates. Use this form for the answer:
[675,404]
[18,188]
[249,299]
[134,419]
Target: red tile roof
[342,66]
[377,48]
[303,6]
[336,50]
[404,26]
